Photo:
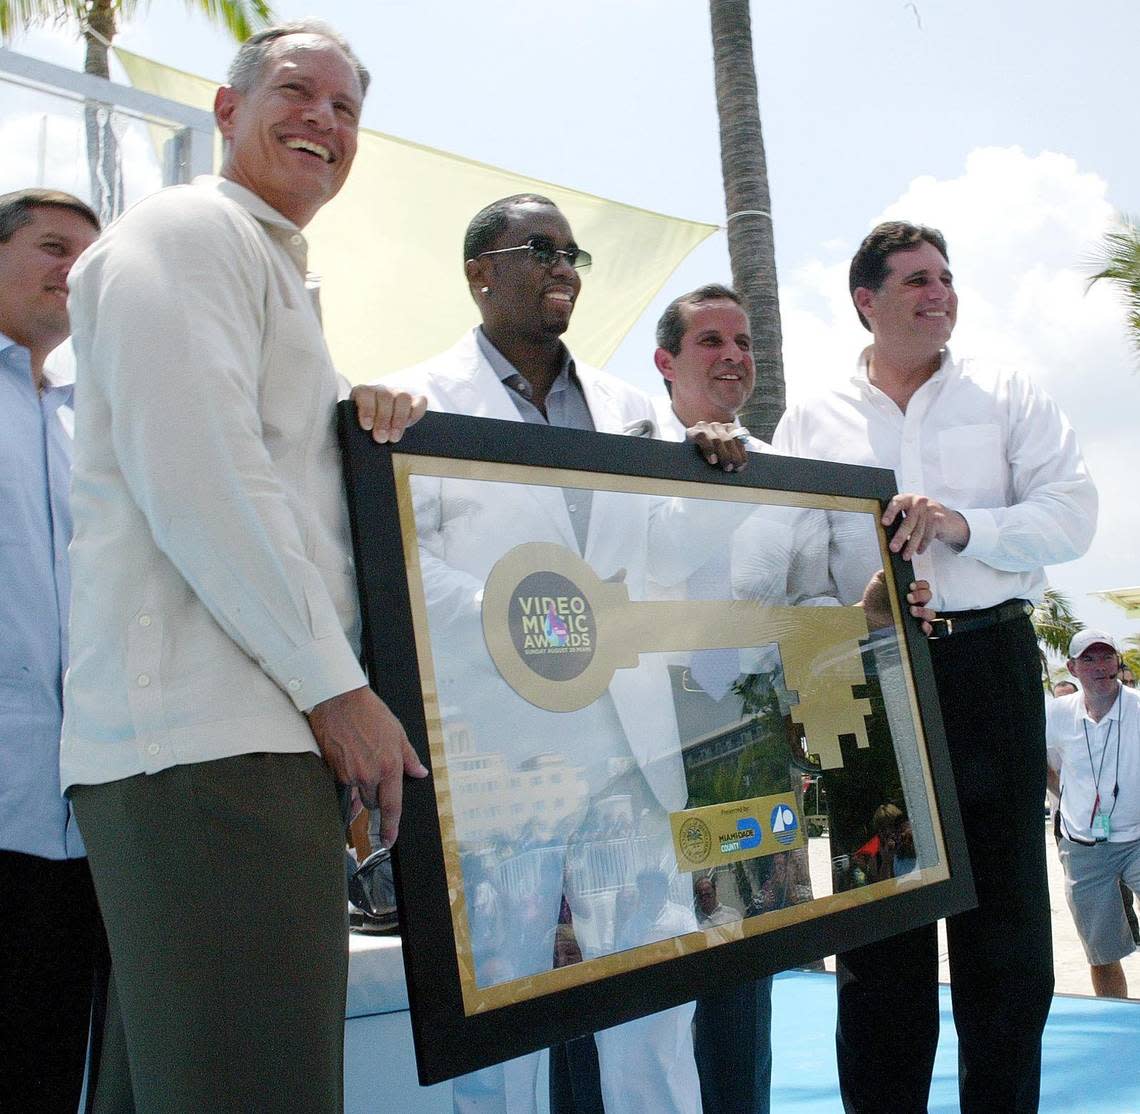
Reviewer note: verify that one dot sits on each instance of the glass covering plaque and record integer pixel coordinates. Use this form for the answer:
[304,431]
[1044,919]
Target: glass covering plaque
[681,730]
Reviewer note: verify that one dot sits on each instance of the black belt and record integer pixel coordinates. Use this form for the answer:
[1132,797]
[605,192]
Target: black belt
[960,622]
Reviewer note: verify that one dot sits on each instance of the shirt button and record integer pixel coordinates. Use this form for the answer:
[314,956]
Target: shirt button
[144,620]
[143,680]
[294,685]
[572,508]
[153,749]
[296,238]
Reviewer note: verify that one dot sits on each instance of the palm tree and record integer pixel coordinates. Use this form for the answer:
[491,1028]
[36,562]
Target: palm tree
[1130,654]
[1119,262]
[98,22]
[1055,624]
[751,246]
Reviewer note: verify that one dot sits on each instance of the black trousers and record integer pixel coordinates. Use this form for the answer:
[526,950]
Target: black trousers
[50,938]
[1001,954]
[732,1043]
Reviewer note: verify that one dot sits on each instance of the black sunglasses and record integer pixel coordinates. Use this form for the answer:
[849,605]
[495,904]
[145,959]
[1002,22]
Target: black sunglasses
[545,254]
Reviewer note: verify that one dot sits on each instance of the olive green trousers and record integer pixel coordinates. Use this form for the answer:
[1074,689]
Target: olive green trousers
[222,887]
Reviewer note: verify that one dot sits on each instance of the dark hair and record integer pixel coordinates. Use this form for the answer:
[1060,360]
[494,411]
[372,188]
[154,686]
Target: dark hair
[671,326]
[245,69]
[16,209]
[869,267]
[488,224]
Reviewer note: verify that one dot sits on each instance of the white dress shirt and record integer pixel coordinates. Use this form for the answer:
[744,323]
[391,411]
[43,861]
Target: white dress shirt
[214,596]
[988,444]
[1087,754]
[778,554]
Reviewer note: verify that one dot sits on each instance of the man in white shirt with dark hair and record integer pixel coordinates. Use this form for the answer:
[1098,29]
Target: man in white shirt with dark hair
[704,355]
[993,487]
[1093,738]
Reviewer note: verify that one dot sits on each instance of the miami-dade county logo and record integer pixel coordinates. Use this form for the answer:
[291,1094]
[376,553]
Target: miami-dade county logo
[746,836]
[552,626]
[694,839]
[784,824]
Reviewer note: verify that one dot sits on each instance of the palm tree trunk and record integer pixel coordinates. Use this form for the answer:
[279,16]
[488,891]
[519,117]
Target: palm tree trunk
[751,246]
[103,157]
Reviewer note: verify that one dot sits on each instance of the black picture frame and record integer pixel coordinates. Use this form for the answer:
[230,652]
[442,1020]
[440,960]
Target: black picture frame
[450,1039]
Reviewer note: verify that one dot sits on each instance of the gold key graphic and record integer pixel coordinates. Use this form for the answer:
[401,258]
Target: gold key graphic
[557,633]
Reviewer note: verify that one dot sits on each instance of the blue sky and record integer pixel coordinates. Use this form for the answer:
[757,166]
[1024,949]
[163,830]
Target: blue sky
[1010,127]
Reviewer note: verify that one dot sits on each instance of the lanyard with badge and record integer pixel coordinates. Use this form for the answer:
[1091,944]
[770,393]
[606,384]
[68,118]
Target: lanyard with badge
[1099,821]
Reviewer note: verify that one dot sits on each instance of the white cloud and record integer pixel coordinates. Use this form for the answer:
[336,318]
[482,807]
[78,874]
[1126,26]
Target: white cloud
[1021,231]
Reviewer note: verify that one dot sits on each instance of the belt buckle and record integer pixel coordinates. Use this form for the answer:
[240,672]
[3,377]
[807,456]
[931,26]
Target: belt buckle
[947,623]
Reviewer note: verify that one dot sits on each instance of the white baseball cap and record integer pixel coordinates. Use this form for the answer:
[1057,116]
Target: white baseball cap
[1082,640]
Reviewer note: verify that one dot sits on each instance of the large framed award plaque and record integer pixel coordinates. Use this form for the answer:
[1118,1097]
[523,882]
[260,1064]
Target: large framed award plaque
[682,731]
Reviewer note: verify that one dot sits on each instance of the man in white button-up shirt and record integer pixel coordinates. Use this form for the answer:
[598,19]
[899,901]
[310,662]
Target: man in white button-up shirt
[214,656]
[704,355]
[993,488]
[778,556]
[1094,742]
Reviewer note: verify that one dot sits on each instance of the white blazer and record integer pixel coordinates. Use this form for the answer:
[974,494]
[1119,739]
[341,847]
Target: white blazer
[466,526]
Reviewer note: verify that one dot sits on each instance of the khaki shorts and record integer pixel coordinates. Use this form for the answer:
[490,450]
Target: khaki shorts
[1093,894]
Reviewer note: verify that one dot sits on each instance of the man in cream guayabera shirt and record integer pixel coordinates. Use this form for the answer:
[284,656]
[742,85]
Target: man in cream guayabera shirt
[214,658]
[1004,491]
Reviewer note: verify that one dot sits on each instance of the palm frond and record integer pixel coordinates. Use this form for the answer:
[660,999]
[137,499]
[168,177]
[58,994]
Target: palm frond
[23,15]
[1118,261]
[1054,622]
[240,17]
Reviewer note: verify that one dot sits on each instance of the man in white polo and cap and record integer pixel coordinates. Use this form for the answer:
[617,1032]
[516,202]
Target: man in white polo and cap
[1093,738]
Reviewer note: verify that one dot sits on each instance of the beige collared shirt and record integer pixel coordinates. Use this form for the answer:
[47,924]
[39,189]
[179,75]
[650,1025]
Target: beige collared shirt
[214,597]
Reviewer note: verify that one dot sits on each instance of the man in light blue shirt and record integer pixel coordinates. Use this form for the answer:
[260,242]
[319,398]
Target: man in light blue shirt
[48,916]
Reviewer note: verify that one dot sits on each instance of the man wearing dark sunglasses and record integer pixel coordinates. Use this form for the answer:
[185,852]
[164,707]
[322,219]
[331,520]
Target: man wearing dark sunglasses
[523,267]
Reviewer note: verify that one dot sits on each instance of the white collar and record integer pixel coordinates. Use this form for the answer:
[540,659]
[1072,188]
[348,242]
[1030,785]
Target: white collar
[247,199]
[862,378]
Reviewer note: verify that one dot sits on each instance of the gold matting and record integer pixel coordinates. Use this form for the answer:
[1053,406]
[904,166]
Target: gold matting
[480,999]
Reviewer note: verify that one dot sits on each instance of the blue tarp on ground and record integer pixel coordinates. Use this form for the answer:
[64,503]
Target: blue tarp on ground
[1091,1054]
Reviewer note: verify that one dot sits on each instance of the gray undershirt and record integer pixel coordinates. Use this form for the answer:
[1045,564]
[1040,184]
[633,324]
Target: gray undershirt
[565,406]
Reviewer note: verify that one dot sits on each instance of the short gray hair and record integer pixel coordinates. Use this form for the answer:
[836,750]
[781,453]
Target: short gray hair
[245,69]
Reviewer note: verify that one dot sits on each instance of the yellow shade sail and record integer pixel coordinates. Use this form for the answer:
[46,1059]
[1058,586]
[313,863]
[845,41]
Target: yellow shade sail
[1128,599]
[389,247]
